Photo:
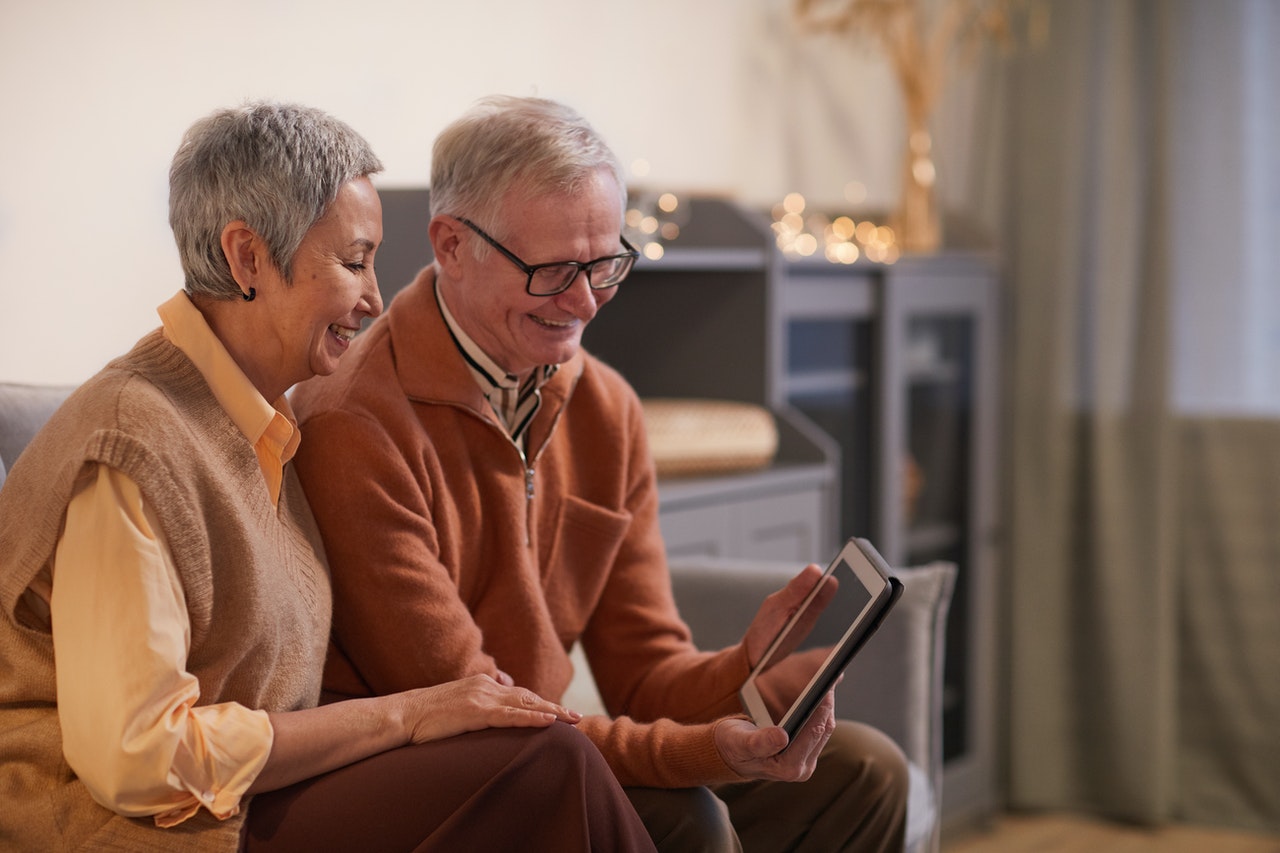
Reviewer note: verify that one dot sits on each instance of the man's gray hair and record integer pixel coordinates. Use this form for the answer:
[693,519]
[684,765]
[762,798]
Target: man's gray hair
[532,145]
[275,166]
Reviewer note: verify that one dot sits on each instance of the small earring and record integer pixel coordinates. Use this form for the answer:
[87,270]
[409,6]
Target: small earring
[248,297]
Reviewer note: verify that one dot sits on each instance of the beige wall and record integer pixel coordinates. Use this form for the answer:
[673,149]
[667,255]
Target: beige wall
[718,95]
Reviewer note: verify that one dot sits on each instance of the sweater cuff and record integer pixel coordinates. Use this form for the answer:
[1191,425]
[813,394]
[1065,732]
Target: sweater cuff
[699,760]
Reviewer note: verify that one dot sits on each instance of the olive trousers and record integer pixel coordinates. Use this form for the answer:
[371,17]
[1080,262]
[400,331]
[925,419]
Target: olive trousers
[856,800]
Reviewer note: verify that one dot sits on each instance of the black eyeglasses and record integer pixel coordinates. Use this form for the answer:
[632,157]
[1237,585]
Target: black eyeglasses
[553,278]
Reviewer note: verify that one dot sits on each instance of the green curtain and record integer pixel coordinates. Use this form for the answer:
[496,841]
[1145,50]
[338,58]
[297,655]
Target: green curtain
[1141,638]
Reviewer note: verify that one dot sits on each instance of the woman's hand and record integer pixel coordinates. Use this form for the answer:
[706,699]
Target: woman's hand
[474,703]
[316,740]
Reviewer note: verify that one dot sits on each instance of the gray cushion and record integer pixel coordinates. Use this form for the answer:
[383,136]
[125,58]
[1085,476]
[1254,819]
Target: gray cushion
[23,410]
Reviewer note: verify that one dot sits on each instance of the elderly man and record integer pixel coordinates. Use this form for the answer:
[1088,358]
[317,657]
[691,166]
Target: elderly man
[486,497]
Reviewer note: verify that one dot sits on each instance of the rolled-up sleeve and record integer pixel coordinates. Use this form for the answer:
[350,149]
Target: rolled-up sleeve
[126,702]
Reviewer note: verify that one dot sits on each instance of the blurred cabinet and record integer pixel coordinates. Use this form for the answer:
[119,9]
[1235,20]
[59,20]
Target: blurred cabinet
[898,364]
[780,514]
[699,323]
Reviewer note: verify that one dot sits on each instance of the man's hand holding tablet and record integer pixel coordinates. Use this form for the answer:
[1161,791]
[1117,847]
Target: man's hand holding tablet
[841,610]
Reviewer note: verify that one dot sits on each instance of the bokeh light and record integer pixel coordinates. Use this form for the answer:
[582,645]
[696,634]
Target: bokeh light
[841,239]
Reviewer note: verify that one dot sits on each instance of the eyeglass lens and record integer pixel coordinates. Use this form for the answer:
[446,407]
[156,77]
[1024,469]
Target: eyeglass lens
[604,272]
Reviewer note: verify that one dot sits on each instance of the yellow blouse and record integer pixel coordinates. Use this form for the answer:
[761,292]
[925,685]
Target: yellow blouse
[121,634]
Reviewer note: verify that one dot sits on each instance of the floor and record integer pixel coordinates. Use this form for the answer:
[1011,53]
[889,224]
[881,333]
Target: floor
[1065,833]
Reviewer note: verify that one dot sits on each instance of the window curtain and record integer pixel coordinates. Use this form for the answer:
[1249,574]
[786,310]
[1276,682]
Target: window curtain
[1143,557]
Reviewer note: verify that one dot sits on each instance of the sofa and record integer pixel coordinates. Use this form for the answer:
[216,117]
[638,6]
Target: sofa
[895,683]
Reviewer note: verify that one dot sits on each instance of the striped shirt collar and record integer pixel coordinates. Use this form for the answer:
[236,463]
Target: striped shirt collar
[515,403]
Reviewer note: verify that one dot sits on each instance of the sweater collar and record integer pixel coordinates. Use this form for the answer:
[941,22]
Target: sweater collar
[430,367]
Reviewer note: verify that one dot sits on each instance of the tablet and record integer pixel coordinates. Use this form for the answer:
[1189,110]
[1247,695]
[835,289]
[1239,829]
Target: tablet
[804,661]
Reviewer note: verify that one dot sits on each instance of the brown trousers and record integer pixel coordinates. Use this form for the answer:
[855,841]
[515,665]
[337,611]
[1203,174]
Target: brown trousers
[856,800]
[492,790]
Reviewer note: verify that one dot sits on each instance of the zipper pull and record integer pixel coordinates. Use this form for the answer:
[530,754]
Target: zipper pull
[528,512]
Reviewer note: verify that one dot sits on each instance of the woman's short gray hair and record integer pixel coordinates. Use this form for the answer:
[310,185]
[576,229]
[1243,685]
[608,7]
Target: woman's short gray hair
[533,145]
[275,166]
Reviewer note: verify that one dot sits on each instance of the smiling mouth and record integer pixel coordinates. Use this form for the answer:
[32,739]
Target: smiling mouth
[343,332]
[552,324]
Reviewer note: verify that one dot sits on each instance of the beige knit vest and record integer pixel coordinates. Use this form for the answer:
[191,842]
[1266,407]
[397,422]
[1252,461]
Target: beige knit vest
[254,576]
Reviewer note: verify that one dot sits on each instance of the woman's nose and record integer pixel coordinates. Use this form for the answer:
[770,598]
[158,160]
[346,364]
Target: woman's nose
[372,302]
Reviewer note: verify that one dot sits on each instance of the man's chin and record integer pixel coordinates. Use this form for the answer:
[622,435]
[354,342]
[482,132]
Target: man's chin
[556,352]
[564,355]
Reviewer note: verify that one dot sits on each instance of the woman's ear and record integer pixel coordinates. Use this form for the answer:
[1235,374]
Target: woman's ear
[246,254]
[445,235]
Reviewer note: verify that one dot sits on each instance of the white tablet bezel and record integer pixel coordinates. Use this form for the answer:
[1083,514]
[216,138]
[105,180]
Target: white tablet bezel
[869,567]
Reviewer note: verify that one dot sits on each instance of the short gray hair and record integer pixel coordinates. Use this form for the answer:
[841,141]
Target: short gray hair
[503,142]
[275,166]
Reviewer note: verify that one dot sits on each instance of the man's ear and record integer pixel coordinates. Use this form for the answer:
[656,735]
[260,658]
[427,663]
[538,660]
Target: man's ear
[445,234]
[246,254]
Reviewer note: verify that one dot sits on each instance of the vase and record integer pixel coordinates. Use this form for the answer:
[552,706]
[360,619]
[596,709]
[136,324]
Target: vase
[916,224]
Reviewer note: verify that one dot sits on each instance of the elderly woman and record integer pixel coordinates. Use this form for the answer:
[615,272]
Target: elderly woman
[155,540]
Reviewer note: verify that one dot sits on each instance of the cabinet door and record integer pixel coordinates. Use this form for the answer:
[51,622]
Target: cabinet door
[785,527]
[830,334]
[699,531]
[936,500]
[937,438]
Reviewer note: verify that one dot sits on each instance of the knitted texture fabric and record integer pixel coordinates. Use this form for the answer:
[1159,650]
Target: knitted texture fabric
[254,577]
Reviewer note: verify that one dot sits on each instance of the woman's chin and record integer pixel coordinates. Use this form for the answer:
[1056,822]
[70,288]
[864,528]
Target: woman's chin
[329,354]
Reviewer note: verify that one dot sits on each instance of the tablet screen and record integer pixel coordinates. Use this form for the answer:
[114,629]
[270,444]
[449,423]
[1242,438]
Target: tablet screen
[822,637]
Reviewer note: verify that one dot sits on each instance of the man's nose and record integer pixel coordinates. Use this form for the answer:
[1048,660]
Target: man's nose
[578,298]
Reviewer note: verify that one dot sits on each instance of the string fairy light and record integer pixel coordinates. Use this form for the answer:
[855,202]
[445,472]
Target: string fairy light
[840,239]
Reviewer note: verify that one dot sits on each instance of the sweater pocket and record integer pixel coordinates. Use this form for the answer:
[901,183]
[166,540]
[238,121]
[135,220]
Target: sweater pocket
[586,543]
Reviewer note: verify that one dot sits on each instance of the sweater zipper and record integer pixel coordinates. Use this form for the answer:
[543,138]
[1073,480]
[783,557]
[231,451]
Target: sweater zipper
[527,465]
[528,505]
[525,462]
[529,490]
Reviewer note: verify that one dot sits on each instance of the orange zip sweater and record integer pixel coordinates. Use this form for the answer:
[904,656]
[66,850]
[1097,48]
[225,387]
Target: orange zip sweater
[451,554]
